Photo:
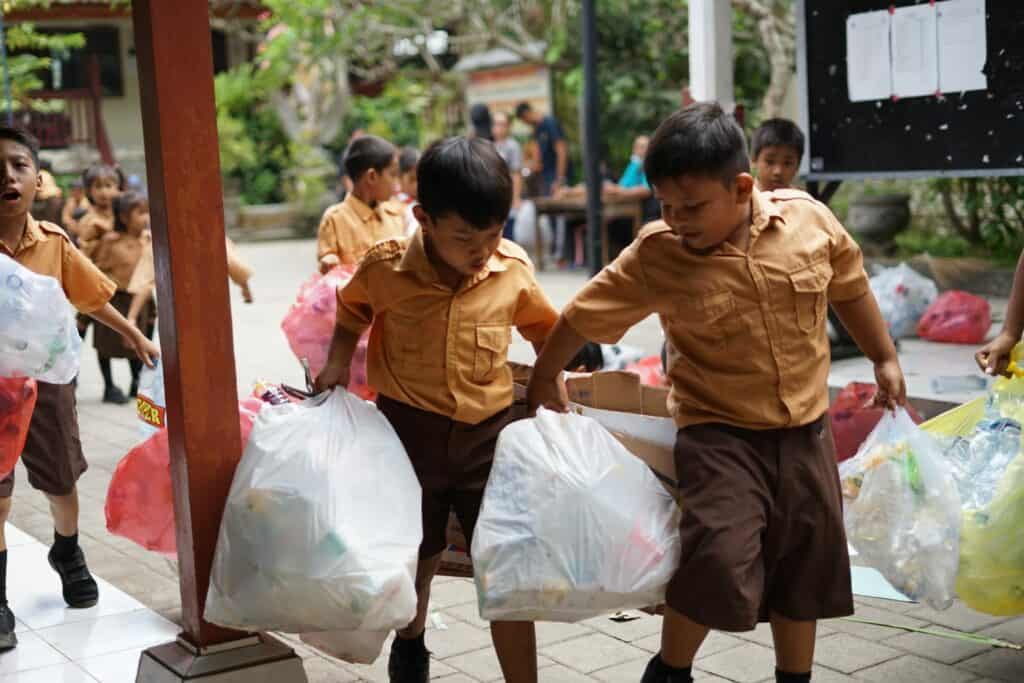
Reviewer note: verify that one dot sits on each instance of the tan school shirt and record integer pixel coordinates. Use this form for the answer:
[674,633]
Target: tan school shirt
[143,278]
[350,228]
[45,249]
[441,350]
[747,330]
[91,228]
[119,258]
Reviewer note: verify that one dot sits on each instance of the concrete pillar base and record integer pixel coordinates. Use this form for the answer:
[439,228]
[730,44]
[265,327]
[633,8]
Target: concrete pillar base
[257,659]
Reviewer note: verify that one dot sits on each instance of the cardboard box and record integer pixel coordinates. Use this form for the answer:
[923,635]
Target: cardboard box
[635,414]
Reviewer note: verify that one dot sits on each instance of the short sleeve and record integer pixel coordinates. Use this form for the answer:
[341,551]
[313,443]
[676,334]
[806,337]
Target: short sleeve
[85,285]
[849,280]
[327,236]
[535,316]
[355,312]
[613,301]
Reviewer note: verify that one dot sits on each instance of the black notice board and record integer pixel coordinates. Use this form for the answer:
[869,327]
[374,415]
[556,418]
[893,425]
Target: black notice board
[962,134]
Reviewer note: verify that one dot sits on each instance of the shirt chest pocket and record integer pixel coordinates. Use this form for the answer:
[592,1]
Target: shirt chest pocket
[415,344]
[810,287]
[712,319]
[491,351]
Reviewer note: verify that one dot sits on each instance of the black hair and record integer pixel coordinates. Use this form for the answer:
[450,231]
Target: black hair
[23,138]
[483,124]
[124,203]
[368,152]
[467,177]
[99,172]
[522,108]
[700,139]
[777,133]
[408,158]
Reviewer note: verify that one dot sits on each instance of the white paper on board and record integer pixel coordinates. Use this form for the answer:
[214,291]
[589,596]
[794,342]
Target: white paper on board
[963,45]
[915,54]
[868,72]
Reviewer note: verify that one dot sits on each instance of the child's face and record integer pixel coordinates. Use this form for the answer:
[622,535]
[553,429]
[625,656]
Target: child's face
[409,184]
[702,210]
[640,146]
[103,191]
[137,220]
[382,183]
[776,167]
[19,179]
[458,244]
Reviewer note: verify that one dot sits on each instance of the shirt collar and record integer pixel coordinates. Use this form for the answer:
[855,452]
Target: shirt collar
[763,213]
[361,208]
[33,233]
[416,261]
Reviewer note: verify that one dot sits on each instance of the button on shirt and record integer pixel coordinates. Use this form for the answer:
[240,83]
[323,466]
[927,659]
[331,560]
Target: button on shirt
[441,350]
[46,250]
[747,329]
[350,228]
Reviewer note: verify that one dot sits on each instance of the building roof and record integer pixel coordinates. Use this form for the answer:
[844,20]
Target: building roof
[498,57]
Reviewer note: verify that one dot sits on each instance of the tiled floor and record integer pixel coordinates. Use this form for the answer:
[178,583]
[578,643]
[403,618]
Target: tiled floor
[60,645]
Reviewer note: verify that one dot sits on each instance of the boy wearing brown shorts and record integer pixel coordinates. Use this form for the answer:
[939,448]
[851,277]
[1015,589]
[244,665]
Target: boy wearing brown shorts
[740,280]
[442,304]
[53,451]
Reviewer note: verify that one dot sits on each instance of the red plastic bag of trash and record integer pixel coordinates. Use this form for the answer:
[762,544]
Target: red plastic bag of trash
[140,502]
[956,318]
[309,326]
[853,419]
[650,370]
[17,401]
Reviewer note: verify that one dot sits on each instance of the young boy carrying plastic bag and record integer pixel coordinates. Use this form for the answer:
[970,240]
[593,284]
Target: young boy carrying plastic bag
[902,510]
[572,525]
[322,524]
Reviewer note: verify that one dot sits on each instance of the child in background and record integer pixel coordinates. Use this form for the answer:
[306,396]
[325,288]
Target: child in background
[365,217]
[102,185]
[740,281]
[117,254]
[76,202]
[777,147]
[440,307]
[53,451]
[408,160]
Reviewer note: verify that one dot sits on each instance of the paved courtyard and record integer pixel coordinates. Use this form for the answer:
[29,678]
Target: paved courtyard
[596,650]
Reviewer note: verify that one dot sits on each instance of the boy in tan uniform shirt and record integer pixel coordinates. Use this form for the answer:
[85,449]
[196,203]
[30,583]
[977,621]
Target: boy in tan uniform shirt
[741,281]
[366,216]
[441,305]
[53,450]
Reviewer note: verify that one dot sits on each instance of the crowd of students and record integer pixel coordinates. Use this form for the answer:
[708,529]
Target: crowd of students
[740,273]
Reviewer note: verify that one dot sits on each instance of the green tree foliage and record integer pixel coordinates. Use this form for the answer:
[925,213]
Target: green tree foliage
[29,55]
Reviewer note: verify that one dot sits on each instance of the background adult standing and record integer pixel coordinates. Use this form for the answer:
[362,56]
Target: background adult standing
[512,153]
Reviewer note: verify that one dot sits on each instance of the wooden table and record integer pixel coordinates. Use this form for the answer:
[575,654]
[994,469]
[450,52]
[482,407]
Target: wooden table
[613,208]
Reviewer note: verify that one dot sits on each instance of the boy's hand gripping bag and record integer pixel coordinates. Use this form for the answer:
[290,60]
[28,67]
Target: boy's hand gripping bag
[572,525]
[854,418]
[902,510]
[903,296]
[140,500]
[956,318]
[38,335]
[310,323]
[17,402]
[322,526]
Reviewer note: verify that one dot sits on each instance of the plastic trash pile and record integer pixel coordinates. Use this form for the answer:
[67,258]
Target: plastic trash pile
[572,525]
[38,336]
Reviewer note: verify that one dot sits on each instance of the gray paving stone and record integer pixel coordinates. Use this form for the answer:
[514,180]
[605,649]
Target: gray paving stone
[631,671]
[468,613]
[559,673]
[481,664]
[458,638]
[747,663]
[910,669]
[936,648]
[959,617]
[869,632]
[378,671]
[1001,665]
[593,652]
[551,632]
[848,654]
[628,631]
[451,593]
[897,606]
[1012,630]
[319,670]
[822,674]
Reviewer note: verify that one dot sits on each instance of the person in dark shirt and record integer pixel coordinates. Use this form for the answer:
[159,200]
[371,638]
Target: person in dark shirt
[554,150]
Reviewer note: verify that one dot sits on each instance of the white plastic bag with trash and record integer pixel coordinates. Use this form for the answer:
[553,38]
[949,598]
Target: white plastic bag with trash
[322,528]
[903,295]
[150,403]
[902,510]
[38,335]
[358,647]
[572,525]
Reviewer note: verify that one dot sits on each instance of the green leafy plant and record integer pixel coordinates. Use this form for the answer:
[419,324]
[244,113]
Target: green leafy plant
[986,212]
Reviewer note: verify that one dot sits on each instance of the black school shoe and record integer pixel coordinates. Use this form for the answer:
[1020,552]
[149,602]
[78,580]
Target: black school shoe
[8,640]
[409,661]
[658,672]
[80,589]
[116,396]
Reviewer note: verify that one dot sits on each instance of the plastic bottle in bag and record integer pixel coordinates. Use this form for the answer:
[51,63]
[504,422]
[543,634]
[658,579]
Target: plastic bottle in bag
[38,335]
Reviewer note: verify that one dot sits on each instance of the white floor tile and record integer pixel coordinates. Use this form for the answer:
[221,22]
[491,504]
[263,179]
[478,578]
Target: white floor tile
[16,537]
[34,591]
[62,673]
[32,653]
[120,667]
[107,635]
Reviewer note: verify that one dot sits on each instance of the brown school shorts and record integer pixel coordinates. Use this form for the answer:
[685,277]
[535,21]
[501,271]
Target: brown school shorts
[53,451]
[452,461]
[762,527]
